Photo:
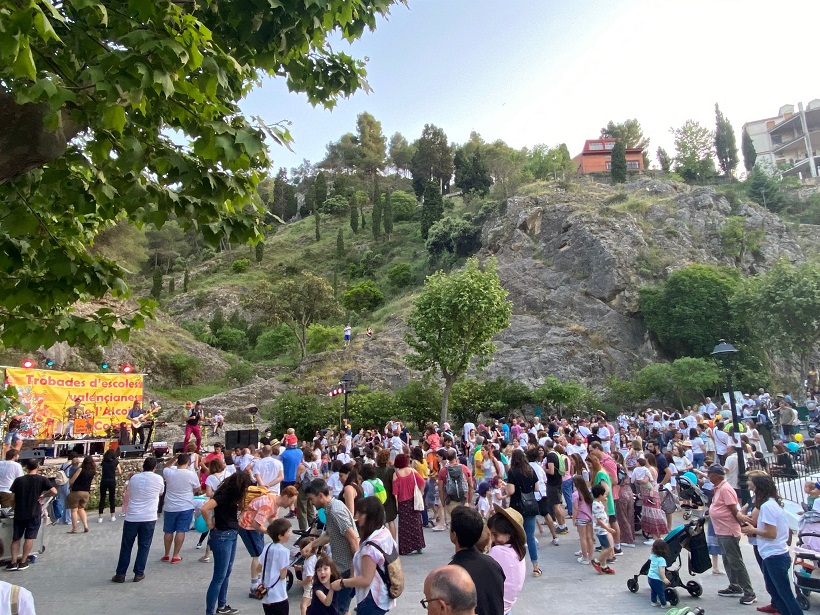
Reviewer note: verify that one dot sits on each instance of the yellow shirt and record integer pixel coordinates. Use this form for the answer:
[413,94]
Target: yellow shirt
[478,464]
[421,468]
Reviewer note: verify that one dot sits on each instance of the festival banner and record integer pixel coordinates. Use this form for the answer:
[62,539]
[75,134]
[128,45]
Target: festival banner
[46,395]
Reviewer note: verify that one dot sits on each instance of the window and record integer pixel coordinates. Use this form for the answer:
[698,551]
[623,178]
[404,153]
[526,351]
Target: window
[777,139]
[632,164]
[608,166]
[596,145]
[610,145]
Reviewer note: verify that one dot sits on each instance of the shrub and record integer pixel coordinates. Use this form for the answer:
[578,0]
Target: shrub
[306,414]
[404,205]
[231,339]
[321,338]
[240,265]
[336,205]
[400,275]
[363,296]
[242,372]
[185,368]
[200,330]
[275,342]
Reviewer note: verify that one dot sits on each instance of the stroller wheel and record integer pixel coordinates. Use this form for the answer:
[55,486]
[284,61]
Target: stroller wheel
[632,585]
[687,514]
[694,588]
[672,596]
[290,579]
[803,601]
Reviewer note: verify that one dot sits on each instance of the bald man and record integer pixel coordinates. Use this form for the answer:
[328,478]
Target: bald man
[449,590]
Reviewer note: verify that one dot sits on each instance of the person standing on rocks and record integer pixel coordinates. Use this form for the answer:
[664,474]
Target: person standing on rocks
[348,330]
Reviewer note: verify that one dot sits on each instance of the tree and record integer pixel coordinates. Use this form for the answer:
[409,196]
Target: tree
[134,82]
[171,286]
[342,154]
[765,189]
[370,153]
[737,240]
[401,153]
[260,251]
[664,160]
[156,287]
[432,208]
[454,320]
[619,163]
[432,160]
[782,309]
[749,153]
[217,321]
[376,217]
[725,143]
[505,165]
[387,215]
[317,222]
[693,151]
[354,217]
[692,309]
[549,162]
[362,297]
[560,396]
[319,190]
[185,281]
[631,134]
[296,302]
[471,172]
[340,245]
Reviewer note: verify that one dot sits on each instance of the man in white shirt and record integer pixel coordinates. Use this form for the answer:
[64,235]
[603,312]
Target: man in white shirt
[604,435]
[691,421]
[583,429]
[14,595]
[268,472]
[9,470]
[578,446]
[178,511]
[144,490]
[709,407]
[468,427]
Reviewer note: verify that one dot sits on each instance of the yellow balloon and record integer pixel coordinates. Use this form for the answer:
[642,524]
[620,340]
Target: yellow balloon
[798,437]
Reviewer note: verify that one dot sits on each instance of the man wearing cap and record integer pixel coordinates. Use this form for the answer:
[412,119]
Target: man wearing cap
[291,457]
[724,515]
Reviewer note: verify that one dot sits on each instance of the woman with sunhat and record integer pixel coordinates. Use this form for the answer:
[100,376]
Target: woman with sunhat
[509,549]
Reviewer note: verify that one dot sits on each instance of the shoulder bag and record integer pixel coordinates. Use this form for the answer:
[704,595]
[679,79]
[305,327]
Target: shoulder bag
[418,496]
[262,590]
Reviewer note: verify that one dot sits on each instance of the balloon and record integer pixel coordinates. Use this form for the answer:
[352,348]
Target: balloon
[322,515]
[200,525]
[793,447]
[798,437]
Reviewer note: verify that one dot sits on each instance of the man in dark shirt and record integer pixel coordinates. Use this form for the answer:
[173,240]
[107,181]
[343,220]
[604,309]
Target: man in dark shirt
[466,527]
[555,483]
[27,490]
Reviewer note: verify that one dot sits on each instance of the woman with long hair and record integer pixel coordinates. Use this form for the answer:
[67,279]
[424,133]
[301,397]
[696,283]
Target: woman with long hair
[108,483]
[509,549]
[579,467]
[625,504]
[352,488]
[221,514]
[653,519]
[372,596]
[772,535]
[405,483]
[80,483]
[582,519]
[522,481]
[385,472]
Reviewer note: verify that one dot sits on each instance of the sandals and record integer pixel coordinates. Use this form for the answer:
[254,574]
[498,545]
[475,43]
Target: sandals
[537,572]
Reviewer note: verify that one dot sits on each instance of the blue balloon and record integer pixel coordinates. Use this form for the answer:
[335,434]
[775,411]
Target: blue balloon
[200,525]
[322,516]
[793,447]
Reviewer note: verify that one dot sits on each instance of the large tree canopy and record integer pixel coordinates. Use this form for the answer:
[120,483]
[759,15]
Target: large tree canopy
[129,110]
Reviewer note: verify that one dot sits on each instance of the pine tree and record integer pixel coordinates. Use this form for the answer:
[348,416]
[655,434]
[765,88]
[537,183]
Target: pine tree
[217,321]
[387,216]
[171,286]
[376,221]
[156,288]
[260,251]
[354,216]
[316,218]
[433,207]
[725,143]
[340,245]
[618,164]
[335,284]
[664,159]
[361,212]
[185,281]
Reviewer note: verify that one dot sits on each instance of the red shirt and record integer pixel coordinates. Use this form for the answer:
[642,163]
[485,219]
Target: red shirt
[403,486]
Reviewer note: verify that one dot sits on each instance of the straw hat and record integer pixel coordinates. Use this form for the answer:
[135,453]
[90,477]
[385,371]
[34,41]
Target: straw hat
[515,519]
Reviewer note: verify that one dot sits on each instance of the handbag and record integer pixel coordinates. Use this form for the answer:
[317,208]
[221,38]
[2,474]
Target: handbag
[668,503]
[418,496]
[262,590]
[529,505]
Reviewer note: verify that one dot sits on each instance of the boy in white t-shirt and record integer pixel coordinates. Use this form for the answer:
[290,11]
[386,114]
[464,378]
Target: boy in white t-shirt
[275,559]
[308,570]
[602,531]
[483,502]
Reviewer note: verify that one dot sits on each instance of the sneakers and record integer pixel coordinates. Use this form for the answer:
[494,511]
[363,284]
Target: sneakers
[612,560]
[579,553]
[730,592]
[205,559]
[555,542]
[582,561]
[562,530]
[199,546]
[628,545]
[11,567]
[769,608]
[227,610]
[113,518]
[649,542]
[439,528]
[290,515]
[100,520]
[748,599]
[618,551]
[24,565]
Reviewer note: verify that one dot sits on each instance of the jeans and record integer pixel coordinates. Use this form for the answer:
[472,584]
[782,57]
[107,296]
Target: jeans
[566,489]
[532,546]
[657,587]
[698,459]
[143,533]
[733,563]
[196,432]
[345,596]
[778,584]
[223,546]
[368,607]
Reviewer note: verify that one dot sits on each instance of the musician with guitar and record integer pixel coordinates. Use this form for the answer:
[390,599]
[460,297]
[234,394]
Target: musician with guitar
[138,420]
[72,413]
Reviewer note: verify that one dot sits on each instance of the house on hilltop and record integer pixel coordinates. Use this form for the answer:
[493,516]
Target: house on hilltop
[789,142]
[596,157]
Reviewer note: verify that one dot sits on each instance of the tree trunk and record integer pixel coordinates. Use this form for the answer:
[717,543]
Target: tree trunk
[449,381]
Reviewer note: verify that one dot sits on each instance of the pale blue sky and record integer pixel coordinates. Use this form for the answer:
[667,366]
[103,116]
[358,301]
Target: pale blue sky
[551,72]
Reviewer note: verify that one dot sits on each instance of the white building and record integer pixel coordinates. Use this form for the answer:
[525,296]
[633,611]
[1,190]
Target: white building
[789,142]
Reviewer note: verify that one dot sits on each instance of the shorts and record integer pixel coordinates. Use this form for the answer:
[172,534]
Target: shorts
[554,495]
[603,540]
[77,499]
[613,519]
[788,430]
[307,593]
[581,522]
[276,608]
[6,499]
[25,528]
[347,338]
[254,541]
[179,522]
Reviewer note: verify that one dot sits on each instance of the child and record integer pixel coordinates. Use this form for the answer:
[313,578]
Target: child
[657,572]
[275,559]
[371,485]
[482,503]
[582,518]
[308,570]
[602,530]
[323,600]
[499,491]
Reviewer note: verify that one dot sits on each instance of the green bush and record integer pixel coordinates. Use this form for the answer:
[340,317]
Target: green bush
[306,414]
[400,275]
[404,205]
[242,372]
[373,409]
[185,368]
[336,205]
[275,342]
[362,297]
[240,265]
[231,339]
[321,338]
[200,330]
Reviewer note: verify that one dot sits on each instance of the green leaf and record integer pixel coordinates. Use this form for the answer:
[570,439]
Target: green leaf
[114,118]
[24,64]
[43,27]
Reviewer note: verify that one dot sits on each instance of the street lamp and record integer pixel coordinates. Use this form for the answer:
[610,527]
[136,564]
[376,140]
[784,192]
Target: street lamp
[343,389]
[724,350]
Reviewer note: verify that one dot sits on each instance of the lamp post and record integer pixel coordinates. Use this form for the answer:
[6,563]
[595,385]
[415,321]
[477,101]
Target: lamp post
[724,350]
[345,382]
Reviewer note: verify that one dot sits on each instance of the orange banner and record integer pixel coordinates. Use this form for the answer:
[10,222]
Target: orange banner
[46,397]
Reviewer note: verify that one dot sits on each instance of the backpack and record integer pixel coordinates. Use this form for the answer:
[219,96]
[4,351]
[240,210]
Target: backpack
[562,463]
[392,574]
[379,491]
[309,474]
[621,474]
[253,492]
[456,486]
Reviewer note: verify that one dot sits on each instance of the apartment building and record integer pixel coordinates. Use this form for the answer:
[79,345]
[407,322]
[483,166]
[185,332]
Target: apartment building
[789,142]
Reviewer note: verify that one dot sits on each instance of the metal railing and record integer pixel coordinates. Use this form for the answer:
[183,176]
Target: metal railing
[790,471]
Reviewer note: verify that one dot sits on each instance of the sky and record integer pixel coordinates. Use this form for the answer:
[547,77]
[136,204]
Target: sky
[556,71]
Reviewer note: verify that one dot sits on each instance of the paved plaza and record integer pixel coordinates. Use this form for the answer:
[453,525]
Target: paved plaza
[74,574]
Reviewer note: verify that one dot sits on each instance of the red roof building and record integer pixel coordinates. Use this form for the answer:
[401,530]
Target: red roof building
[596,157]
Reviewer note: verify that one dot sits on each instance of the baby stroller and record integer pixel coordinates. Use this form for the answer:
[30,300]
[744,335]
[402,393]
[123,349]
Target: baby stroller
[691,537]
[297,560]
[692,492]
[806,564]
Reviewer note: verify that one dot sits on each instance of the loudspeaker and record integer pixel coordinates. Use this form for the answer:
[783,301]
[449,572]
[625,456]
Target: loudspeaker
[179,447]
[35,453]
[160,449]
[131,451]
[241,437]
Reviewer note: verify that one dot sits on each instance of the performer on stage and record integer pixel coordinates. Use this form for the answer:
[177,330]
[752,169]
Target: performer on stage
[135,415]
[72,413]
[192,419]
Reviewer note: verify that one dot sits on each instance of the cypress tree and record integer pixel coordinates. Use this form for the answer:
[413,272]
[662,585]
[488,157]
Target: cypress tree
[619,163]
[318,233]
[171,286]
[354,216]
[156,288]
[387,215]
[725,143]
[340,245]
[377,217]
[433,207]
[185,281]
[260,251]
